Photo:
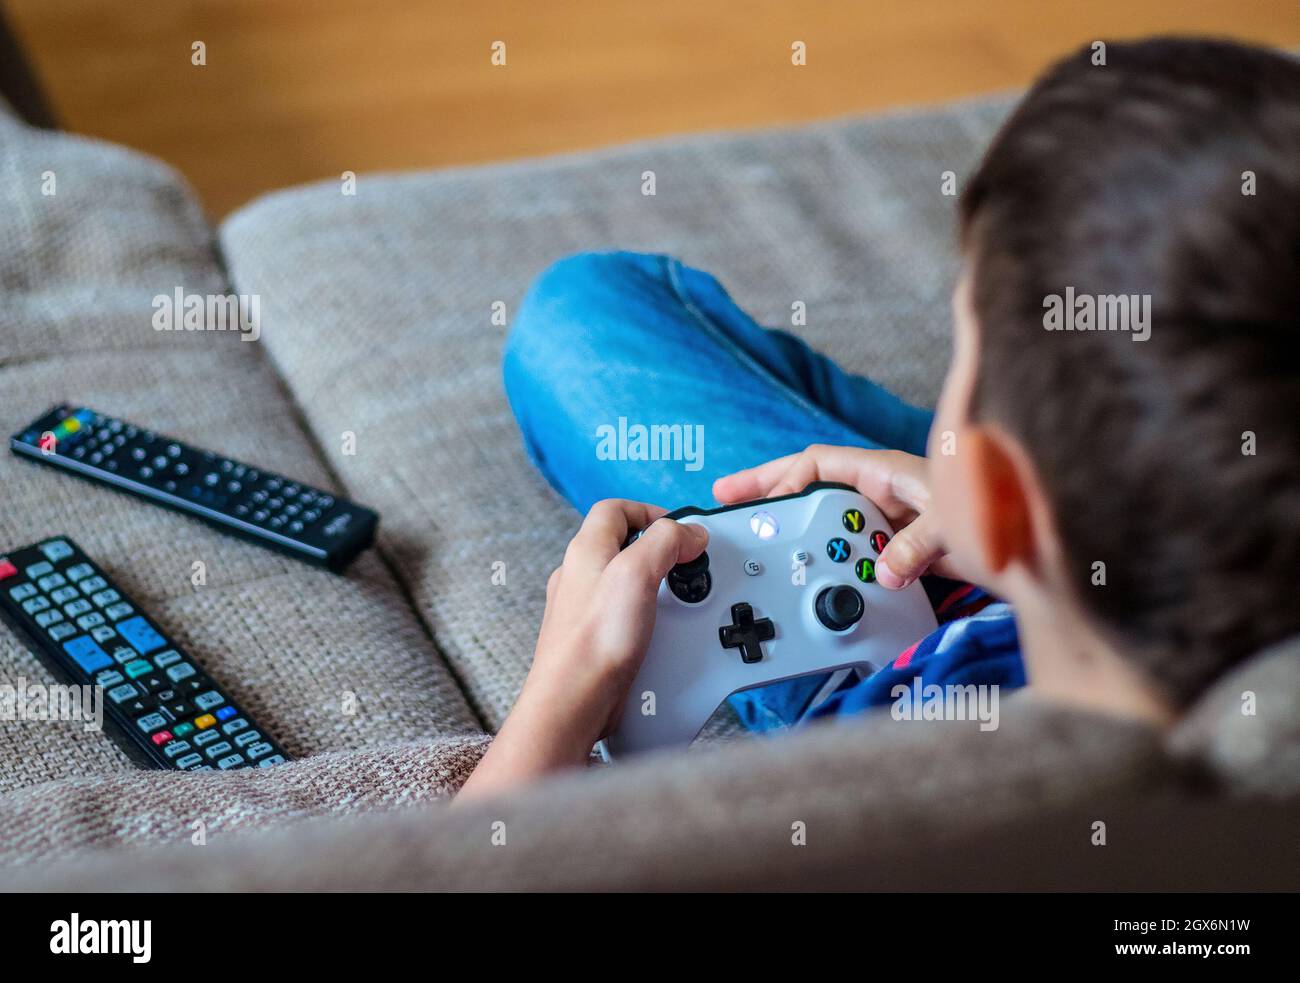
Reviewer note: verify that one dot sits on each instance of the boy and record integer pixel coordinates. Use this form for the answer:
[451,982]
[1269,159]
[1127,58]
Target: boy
[1133,492]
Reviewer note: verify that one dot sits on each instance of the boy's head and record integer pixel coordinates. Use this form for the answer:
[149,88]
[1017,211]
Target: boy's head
[1146,476]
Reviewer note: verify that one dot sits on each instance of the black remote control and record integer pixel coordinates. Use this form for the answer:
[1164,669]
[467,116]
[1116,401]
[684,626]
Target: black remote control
[158,705]
[266,508]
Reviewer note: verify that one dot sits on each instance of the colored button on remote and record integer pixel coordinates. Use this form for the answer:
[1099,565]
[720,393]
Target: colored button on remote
[141,635]
[7,570]
[87,654]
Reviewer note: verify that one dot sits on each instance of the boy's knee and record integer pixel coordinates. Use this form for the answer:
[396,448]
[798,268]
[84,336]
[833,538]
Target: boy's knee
[579,296]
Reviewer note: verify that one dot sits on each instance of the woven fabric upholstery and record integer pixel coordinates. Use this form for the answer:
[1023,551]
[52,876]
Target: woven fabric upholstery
[80,269]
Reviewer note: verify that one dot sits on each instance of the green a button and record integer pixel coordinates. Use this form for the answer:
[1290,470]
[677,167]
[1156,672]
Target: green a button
[866,570]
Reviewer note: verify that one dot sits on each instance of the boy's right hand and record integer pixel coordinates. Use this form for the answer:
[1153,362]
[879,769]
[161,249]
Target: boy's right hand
[898,484]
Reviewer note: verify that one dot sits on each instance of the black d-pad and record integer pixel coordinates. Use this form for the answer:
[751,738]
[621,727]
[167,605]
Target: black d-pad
[745,633]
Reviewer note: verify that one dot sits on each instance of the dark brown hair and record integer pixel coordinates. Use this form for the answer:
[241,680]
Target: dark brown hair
[1135,177]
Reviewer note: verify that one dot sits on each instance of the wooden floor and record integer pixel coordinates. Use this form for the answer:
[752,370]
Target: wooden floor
[300,89]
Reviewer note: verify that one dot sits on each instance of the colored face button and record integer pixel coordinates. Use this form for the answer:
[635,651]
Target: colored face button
[205,721]
[853,520]
[180,730]
[838,549]
[866,570]
[878,541]
[7,570]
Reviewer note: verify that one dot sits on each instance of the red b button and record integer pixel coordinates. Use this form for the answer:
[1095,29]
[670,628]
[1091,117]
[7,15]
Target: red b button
[878,541]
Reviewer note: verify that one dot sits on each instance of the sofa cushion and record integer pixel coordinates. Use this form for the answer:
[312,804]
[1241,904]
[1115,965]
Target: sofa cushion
[869,803]
[378,312]
[80,268]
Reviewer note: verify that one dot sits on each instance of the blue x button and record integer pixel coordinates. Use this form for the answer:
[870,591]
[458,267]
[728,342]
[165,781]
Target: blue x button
[838,549]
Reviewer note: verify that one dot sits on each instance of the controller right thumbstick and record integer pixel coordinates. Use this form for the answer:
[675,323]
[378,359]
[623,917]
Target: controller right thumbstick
[839,608]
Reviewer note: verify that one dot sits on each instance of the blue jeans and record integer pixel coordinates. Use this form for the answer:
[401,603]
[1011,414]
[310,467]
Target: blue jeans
[604,336]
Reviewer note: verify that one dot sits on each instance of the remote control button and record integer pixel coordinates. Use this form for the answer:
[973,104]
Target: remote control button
[118,611]
[23,591]
[164,659]
[103,634]
[80,572]
[162,737]
[56,550]
[141,635]
[180,730]
[838,549]
[208,700]
[275,759]
[865,569]
[77,608]
[64,594]
[47,618]
[753,568]
[182,671]
[138,706]
[138,668]
[259,750]
[179,708]
[206,737]
[36,604]
[189,761]
[247,737]
[234,726]
[230,761]
[106,597]
[218,749]
[139,454]
[93,585]
[38,570]
[839,608]
[176,747]
[124,654]
[124,692]
[205,721]
[878,541]
[62,630]
[89,621]
[7,570]
[181,469]
[853,520]
[52,581]
[108,678]
[225,713]
[85,652]
[746,634]
[151,721]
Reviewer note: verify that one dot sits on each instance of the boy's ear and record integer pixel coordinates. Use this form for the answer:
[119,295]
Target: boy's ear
[1002,506]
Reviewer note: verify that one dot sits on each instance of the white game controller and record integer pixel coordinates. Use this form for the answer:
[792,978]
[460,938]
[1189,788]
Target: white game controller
[786,588]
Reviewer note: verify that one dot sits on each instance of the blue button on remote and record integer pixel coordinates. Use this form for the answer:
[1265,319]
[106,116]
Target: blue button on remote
[141,635]
[87,654]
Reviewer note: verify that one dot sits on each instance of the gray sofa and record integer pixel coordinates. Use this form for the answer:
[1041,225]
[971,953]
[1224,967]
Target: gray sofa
[376,322]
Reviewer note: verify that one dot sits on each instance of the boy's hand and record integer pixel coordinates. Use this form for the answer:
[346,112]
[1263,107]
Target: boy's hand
[600,610]
[896,482]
